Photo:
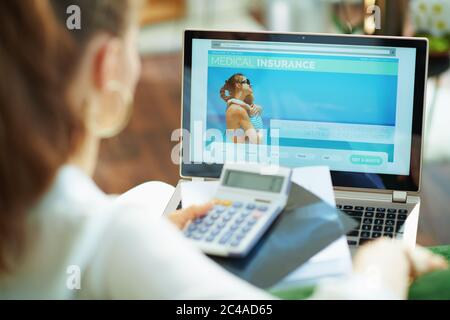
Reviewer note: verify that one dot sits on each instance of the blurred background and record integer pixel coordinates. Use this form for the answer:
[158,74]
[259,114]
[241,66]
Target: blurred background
[143,151]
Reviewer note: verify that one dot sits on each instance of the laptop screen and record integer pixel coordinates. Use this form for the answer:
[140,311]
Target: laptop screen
[346,106]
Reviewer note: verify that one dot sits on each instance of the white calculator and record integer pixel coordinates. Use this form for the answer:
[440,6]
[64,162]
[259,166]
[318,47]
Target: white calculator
[248,200]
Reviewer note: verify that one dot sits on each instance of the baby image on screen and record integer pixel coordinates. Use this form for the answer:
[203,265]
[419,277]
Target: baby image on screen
[241,112]
[311,104]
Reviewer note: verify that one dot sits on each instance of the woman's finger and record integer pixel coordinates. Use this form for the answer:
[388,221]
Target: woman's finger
[194,212]
[181,217]
[424,261]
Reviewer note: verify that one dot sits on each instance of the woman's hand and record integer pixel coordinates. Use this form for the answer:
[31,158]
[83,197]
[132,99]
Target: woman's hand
[181,217]
[394,264]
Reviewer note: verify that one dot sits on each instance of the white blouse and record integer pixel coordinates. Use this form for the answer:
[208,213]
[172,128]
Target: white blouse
[84,244]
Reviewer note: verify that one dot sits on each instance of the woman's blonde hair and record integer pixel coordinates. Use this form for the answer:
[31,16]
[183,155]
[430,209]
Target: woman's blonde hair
[230,86]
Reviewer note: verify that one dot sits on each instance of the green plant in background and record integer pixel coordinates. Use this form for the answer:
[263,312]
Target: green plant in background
[431,19]
[347,28]
[348,16]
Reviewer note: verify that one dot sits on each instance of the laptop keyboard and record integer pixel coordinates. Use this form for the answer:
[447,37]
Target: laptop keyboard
[374,222]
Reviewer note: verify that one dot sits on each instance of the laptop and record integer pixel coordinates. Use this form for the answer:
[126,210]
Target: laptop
[352,103]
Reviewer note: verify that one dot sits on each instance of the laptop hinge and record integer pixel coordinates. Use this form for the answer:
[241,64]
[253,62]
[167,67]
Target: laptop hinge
[399,196]
[198,179]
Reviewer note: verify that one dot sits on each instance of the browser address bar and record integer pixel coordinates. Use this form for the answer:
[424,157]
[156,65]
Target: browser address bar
[313,49]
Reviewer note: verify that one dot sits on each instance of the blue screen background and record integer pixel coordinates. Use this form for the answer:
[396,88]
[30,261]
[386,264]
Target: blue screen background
[310,96]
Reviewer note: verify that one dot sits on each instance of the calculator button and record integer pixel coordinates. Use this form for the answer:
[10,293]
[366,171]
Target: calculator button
[245,213]
[221,225]
[401,216]
[192,227]
[209,223]
[359,208]
[226,218]
[390,216]
[215,232]
[226,203]
[263,208]
[222,202]
[369,214]
[251,206]
[203,230]
[210,239]
[215,215]
[234,227]
[198,221]
[251,221]
[232,211]
[225,238]
[239,220]
[219,209]
[370,208]
[197,236]
[366,227]
[392,210]
[378,228]
[257,215]
[246,229]
[402,211]
[237,204]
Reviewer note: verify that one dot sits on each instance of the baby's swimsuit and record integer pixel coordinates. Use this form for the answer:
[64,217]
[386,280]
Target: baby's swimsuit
[256,119]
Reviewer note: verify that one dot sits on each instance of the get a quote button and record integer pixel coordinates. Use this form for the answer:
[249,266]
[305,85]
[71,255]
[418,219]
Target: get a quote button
[366,160]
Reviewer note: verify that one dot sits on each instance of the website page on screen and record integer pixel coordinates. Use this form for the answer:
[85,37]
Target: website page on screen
[348,107]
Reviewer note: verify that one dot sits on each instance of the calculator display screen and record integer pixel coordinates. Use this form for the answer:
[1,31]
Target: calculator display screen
[253,181]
